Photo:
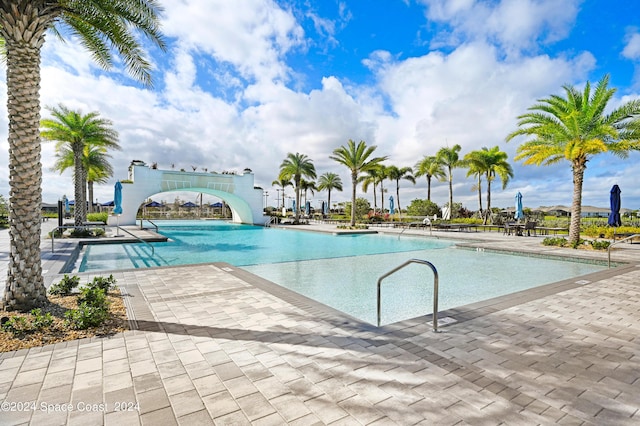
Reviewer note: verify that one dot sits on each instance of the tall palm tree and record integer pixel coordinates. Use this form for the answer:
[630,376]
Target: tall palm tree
[307,185]
[328,182]
[429,167]
[283,184]
[396,174]
[476,163]
[575,128]
[450,159]
[294,167]
[96,163]
[76,132]
[100,25]
[496,164]
[372,177]
[356,159]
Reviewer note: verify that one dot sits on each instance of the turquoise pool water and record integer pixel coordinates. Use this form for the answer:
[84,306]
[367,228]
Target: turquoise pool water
[342,271]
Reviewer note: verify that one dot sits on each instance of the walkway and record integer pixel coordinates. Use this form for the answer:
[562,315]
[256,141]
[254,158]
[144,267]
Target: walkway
[216,345]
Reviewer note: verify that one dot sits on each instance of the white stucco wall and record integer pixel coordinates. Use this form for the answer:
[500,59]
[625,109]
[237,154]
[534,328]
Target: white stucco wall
[237,190]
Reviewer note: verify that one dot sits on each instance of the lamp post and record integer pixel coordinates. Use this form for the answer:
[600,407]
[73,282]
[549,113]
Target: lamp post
[278,197]
[266,199]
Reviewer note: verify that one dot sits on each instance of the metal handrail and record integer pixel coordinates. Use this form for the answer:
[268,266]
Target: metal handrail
[435,287]
[153,250]
[150,221]
[272,219]
[617,242]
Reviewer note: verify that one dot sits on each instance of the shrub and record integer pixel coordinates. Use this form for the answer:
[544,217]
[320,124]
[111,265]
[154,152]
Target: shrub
[105,284]
[41,321]
[94,297]
[600,245]
[65,286]
[98,217]
[85,316]
[553,241]
[17,325]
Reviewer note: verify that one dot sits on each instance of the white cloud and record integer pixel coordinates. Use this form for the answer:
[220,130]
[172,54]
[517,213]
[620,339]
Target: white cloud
[632,48]
[252,35]
[514,25]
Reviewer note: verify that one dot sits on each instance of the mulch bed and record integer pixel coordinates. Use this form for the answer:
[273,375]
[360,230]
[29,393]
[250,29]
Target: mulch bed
[59,331]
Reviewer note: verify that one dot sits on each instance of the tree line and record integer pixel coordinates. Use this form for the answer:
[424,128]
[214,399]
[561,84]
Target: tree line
[298,170]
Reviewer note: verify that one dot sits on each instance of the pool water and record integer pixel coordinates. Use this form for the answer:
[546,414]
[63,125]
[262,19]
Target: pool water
[342,271]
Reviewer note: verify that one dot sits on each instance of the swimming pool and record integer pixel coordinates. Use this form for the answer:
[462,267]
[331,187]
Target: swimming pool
[342,271]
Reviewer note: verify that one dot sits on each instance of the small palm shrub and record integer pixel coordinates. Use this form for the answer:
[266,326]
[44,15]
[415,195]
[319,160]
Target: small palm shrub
[65,286]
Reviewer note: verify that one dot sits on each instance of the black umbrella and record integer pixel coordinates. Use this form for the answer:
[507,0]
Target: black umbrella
[614,200]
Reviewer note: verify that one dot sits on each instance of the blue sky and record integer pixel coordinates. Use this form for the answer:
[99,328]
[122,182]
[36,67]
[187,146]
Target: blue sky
[245,82]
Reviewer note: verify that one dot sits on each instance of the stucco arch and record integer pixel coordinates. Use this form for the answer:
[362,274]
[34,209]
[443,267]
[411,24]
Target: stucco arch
[237,190]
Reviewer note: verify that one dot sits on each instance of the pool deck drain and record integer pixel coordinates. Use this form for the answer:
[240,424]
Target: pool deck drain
[207,355]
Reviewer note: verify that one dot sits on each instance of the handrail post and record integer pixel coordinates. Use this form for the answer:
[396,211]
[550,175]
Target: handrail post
[435,288]
[631,237]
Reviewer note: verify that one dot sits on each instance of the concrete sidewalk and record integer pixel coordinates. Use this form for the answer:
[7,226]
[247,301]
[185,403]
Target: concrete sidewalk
[217,345]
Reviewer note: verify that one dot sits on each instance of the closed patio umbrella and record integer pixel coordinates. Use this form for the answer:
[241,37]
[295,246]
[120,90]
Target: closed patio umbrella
[307,208]
[392,209]
[614,201]
[519,212]
[117,202]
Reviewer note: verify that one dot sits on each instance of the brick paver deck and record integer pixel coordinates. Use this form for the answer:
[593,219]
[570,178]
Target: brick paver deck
[216,345]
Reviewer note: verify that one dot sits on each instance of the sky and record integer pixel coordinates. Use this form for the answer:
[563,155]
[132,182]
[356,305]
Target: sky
[245,82]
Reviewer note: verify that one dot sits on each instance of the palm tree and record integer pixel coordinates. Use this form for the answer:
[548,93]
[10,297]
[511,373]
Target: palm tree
[77,133]
[429,167]
[100,25]
[477,167]
[356,159]
[575,128]
[496,163]
[328,182]
[295,166]
[283,184]
[307,185]
[96,162]
[372,177]
[397,173]
[449,158]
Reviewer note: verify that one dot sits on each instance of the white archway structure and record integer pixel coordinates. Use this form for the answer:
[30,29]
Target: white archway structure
[237,190]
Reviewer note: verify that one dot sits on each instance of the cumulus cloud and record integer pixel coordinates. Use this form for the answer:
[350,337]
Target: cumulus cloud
[514,25]
[632,48]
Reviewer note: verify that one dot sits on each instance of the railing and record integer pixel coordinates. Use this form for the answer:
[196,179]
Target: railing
[435,288]
[268,223]
[153,250]
[150,221]
[630,237]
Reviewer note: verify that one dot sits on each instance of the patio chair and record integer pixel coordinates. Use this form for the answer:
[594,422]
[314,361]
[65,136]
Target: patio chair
[530,227]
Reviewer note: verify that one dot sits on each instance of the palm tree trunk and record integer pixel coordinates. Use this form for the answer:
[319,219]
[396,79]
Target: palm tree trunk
[428,188]
[24,288]
[488,201]
[480,192]
[328,201]
[450,194]
[354,182]
[398,198]
[576,206]
[296,215]
[375,199]
[80,206]
[381,196]
[90,197]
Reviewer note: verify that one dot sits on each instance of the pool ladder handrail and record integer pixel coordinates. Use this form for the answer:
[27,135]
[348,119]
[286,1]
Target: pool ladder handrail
[435,287]
[153,250]
[150,221]
[271,220]
[617,242]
